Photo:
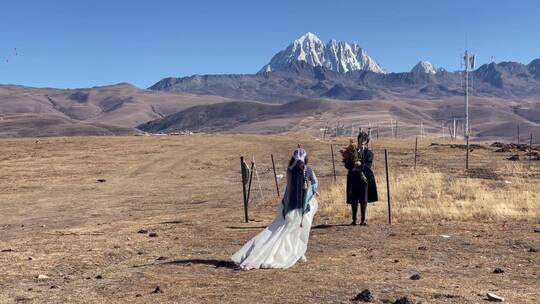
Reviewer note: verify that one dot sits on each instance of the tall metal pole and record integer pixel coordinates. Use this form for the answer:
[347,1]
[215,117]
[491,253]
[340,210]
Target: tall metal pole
[466,125]
[466,93]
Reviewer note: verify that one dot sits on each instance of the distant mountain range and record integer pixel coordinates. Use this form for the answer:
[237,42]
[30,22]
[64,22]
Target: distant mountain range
[307,68]
[305,87]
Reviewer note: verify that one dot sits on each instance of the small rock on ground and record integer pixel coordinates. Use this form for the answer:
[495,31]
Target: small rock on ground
[513,157]
[157,290]
[364,296]
[416,277]
[404,300]
[152,234]
[494,298]
[498,270]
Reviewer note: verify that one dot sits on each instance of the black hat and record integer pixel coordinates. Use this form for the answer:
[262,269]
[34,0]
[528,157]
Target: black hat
[363,137]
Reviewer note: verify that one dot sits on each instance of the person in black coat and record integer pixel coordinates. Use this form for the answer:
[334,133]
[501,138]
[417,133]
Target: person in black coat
[361,185]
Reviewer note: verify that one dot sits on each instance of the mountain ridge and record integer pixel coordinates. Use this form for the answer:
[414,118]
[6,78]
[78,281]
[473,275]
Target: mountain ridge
[336,56]
[301,80]
[308,68]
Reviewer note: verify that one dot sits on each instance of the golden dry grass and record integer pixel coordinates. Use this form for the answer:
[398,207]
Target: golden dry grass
[424,194]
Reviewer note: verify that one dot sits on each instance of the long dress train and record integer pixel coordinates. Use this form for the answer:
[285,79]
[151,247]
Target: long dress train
[284,242]
[281,244]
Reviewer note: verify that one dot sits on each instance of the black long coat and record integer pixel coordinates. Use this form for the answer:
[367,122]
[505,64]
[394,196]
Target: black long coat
[357,189]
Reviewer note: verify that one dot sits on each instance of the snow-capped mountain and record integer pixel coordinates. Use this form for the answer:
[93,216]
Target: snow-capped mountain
[424,67]
[340,57]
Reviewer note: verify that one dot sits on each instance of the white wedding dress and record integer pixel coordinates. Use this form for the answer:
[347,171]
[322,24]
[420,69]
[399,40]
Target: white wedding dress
[284,242]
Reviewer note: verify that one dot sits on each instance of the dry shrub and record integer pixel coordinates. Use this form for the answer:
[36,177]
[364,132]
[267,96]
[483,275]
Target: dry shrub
[427,195]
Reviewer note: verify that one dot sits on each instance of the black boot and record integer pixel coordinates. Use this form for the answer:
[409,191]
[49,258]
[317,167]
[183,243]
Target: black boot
[363,209]
[354,207]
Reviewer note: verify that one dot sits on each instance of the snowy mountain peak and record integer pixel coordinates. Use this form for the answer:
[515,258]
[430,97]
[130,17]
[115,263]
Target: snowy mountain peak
[337,56]
[424,67]
[309,36]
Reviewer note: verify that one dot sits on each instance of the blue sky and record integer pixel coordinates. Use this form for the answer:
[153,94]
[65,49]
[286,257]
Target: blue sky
[70,44]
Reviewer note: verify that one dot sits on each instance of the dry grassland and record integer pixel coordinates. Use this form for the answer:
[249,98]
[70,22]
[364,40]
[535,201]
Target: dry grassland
[58,220]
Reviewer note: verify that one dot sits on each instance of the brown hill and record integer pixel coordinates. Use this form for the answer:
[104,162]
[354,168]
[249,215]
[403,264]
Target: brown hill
[490,117]
[115,109]
[119,109]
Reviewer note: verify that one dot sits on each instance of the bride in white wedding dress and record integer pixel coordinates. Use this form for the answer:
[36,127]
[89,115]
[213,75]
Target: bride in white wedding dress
[284,241]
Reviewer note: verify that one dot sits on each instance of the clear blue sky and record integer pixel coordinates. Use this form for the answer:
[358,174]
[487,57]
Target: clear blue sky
[80,43]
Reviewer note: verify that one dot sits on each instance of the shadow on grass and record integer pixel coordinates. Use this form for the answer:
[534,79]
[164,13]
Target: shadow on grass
[173,222]
[328,226]
[208,262]
[239,227]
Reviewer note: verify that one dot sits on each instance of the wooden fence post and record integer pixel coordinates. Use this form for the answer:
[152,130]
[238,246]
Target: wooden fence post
[249,192]
[275,176]
[333,161]
[388,187]
[244,171]
[467,153]
[518,134]
[530,151]
[415,151]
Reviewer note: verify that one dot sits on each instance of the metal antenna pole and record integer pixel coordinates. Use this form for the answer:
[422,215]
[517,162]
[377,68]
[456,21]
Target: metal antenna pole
[469,62]
[466,94]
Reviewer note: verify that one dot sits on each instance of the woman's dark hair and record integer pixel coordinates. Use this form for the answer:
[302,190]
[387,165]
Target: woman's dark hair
[363,137]
[301,165]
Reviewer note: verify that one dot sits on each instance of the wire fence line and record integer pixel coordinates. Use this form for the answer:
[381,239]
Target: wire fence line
[452,129]
[401,158]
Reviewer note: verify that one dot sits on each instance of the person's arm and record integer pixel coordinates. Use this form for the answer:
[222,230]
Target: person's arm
[349,165]
[314,181]
[368,160]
